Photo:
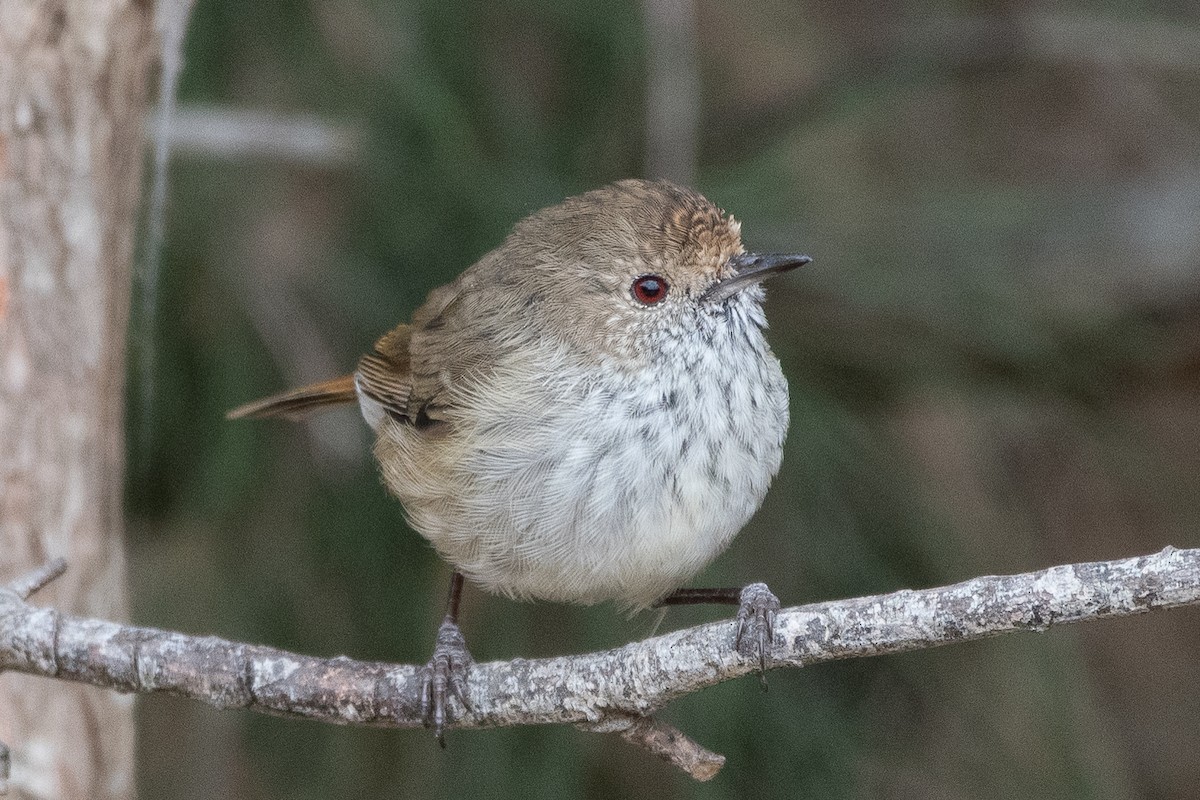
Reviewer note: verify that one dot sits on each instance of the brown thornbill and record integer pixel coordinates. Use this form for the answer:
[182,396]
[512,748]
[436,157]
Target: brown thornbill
[589,412]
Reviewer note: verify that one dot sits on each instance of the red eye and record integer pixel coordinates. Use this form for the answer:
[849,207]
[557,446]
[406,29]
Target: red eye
[649,289]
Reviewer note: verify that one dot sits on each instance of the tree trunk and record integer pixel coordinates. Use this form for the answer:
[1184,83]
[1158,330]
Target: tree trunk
[73,90]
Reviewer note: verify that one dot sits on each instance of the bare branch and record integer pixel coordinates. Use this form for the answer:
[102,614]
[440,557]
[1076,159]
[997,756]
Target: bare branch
[614,690]
[230,133]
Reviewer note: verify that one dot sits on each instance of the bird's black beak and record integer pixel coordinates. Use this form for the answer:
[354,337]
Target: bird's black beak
[751,268]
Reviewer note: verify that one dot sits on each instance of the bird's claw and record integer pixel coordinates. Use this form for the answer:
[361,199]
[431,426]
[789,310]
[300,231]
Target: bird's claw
[445,674]
[756,625]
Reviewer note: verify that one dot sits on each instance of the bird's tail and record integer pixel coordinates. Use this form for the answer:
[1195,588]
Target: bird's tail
[299,402]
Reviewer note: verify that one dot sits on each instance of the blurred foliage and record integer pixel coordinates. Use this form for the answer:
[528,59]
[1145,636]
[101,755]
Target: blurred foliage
[993,363]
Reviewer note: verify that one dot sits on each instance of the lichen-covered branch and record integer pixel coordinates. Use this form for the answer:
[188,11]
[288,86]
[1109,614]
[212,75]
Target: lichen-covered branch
[614,690]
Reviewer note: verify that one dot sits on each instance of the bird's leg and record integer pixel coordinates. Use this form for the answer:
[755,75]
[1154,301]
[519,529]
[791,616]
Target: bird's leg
[757,607]
[446,671]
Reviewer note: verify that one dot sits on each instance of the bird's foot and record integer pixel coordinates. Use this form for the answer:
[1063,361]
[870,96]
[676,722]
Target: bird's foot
[445,674]
[756,624]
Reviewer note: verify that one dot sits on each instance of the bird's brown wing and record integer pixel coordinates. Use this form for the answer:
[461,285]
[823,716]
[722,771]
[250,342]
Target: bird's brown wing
[412,371]
[461,333]
[384,376]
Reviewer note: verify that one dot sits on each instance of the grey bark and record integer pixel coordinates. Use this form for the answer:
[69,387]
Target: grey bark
[73,81]
[612,691]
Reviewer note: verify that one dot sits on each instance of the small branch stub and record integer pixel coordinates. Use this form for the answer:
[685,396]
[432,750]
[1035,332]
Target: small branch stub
[35,580]
[673,746]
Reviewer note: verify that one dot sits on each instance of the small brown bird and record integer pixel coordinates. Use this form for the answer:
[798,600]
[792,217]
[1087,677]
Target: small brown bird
[590,412]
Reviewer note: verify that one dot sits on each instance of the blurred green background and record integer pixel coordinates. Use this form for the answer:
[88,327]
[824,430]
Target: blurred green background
[994,362]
